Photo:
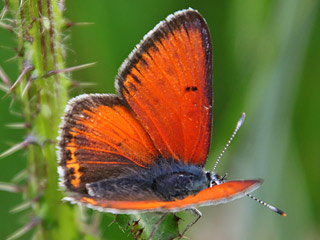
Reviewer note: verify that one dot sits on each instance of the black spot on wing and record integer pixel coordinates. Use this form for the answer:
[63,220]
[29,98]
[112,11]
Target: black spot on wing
[191,88]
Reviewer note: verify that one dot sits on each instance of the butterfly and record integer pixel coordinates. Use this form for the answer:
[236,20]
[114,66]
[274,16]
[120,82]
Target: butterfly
[144,148]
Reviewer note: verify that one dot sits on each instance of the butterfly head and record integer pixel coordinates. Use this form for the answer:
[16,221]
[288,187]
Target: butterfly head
[215,179]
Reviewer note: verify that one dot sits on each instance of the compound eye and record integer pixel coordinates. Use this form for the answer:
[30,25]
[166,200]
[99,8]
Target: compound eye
[216,179]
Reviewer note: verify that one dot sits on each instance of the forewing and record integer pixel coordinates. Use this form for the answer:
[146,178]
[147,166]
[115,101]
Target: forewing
[167,81]
[100,139]
[217,194]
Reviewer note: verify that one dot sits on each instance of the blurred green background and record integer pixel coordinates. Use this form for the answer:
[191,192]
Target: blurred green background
[266,63]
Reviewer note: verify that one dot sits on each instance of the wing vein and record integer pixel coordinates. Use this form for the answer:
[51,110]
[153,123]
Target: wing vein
[97,138]
[200,127]
[159,94]
[155,125]
[183,61]
[105,151]
[140,139]
[132,137]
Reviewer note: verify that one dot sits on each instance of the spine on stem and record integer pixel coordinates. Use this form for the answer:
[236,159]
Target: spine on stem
[42,89]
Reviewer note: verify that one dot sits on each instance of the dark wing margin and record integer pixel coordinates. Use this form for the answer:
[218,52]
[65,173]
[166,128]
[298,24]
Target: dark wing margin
[99,139]
[167,82]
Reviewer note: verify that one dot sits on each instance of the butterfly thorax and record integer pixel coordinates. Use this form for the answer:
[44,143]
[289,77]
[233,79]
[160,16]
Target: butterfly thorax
[166,180]
[177,180]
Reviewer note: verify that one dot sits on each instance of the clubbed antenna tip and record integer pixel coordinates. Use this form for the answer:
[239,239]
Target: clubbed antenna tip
[241,120]
[272,208]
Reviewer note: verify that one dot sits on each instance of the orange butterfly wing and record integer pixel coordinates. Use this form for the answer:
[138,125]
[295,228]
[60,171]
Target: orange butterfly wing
[167,81]
[211,196]
[99,139]
[164,111]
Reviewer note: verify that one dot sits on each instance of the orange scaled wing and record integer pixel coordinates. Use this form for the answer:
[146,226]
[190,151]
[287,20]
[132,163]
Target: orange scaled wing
[217,194]
[167,81]
[100,139]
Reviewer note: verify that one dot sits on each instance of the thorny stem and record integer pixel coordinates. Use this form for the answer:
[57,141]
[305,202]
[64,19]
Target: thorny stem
[39,27]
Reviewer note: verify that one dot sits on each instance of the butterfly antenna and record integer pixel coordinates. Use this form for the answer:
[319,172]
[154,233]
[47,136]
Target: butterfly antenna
[272,208]
[239,123]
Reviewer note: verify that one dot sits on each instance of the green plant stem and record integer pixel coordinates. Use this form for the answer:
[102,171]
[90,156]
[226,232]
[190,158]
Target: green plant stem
[40,26]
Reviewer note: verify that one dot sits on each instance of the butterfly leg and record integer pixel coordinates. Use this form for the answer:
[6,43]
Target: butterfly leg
[114,219]
[154,229]
[198,214]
